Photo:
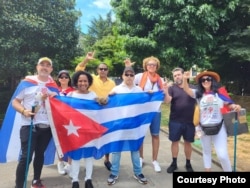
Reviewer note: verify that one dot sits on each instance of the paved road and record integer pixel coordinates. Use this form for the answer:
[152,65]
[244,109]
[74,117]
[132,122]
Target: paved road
[52,179]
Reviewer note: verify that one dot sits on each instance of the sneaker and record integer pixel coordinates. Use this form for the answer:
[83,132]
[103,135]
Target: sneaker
[112,179]
[189,168]
[141,179]
[108,165]
[141,162]
[172,168]
[88,184]
[75,184]
[60,168]
[156,166]
[37,184]
[67,169]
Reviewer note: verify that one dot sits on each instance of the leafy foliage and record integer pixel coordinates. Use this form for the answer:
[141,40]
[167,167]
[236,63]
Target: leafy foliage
[232,55]
[31,29]
[108,45]
[183,33]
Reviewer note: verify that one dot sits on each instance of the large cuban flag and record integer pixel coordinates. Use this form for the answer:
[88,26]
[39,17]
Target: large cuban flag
[83,128]
[9,132]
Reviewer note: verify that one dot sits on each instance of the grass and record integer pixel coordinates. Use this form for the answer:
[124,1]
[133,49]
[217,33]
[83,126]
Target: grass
[165,120]
[165,116]
[165,108]
[248,118]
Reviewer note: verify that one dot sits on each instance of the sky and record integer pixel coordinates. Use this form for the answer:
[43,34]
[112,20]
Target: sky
[91,9]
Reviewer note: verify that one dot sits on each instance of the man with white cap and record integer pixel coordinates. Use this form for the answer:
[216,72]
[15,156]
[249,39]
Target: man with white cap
[30,102]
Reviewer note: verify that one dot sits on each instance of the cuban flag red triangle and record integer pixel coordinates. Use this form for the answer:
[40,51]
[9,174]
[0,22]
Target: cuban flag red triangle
[73,129]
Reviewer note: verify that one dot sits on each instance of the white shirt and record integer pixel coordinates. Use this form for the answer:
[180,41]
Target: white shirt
[31,96]
[123,88]
[90,96]
[210,106]
[149,85]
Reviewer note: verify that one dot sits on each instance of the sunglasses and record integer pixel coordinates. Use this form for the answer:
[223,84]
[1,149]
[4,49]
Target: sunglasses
[208,79]
[151,65]
[103,69]
[64,77]
[129,75]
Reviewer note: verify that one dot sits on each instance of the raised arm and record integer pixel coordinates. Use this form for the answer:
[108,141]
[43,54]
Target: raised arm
[166,85]
[81,66]
[128,62]
[186,87]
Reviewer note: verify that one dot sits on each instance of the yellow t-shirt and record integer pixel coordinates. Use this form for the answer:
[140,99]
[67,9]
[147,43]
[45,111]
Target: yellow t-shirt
[101,88]
[80,68]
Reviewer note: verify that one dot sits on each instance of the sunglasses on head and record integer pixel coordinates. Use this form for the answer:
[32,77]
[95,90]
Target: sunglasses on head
[208,79]
[64,77]
[103,69]
[129,75]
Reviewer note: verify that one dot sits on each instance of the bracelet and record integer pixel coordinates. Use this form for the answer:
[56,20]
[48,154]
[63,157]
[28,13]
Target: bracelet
[23,111]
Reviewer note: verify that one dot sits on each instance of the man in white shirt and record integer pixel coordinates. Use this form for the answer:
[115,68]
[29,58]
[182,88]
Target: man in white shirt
[30,102]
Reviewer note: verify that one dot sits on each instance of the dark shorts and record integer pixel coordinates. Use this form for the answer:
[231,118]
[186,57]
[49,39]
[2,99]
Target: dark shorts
[176,130]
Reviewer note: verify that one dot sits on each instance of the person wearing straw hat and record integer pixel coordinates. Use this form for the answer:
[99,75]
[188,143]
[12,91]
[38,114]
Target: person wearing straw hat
[213,101]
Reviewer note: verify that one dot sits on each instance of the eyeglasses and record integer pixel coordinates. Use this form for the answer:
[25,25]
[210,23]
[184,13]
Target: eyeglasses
[64,77]
[208,79]
[129,75]
[103,69]
[151,65]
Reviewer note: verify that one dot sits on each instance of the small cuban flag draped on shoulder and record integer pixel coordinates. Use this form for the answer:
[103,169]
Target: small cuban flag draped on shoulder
[83,128]
[223,94]
[10,146]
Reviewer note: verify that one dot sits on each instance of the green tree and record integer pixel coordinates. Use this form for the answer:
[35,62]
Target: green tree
[232,56]
[111,51]
[180,33]
[99,27]
[103,38]
[31,29]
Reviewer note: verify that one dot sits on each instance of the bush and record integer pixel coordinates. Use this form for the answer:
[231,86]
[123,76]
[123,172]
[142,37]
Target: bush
[5,97]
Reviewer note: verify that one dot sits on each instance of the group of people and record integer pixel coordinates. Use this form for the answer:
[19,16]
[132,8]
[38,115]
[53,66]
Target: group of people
[181,95]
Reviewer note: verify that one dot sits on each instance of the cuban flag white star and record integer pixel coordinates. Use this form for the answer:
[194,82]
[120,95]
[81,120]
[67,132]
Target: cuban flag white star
[72,129]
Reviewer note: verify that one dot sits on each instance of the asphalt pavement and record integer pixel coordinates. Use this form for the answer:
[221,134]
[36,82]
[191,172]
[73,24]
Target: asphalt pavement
[51,178]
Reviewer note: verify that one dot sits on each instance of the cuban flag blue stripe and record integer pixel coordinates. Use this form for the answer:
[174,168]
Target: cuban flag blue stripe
[127,117]
[9,132]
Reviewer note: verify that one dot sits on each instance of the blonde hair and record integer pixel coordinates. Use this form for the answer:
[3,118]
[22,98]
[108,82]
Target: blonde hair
[147,59]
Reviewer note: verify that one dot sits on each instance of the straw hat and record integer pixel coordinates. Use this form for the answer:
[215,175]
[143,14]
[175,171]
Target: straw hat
[208,73]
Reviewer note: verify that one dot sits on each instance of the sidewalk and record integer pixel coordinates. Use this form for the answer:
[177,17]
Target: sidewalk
[51,179]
